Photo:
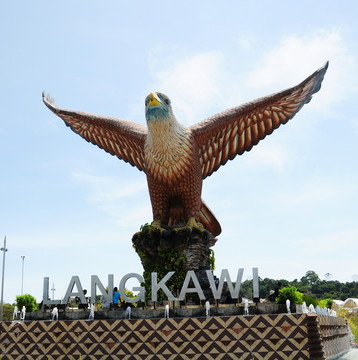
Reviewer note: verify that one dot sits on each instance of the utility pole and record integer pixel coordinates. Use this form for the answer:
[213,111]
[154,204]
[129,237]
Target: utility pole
[22,276]
[3,249]
[53,290]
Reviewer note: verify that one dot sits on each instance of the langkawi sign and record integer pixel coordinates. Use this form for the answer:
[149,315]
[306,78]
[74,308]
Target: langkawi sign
[156,286]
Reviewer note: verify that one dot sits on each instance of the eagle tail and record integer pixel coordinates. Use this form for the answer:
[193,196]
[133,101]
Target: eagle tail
[208,219]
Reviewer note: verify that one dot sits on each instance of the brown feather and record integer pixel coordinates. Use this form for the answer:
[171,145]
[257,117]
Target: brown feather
[110,134]
[249,123]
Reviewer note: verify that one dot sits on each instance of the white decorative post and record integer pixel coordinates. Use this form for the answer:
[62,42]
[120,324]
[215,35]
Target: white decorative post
[54,314]
[207,309]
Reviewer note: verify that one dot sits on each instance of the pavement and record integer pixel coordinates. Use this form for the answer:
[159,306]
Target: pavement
[351,355]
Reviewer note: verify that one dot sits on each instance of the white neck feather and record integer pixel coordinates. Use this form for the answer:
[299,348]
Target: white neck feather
[167,144]
[165,133]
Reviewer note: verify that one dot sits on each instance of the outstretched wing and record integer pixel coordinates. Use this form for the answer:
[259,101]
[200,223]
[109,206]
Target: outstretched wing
[232,132]
[121,138]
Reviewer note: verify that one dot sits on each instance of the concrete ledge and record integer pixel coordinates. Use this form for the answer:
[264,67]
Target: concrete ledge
[158,312]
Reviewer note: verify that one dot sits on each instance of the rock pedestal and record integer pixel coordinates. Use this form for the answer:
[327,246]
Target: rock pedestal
[175,249]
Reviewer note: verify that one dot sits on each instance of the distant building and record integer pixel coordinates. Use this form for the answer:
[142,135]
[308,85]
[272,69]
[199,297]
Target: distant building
[351,303]
[337,304]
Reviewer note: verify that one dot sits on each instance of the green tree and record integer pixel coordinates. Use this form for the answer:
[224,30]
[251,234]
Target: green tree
[289,293]
[310,278]
[28,301]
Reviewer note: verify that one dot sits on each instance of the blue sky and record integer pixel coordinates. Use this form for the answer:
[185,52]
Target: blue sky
[287,206]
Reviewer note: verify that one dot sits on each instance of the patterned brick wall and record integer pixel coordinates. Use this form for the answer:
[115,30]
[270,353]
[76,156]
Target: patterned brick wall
[335,335]
[269,337]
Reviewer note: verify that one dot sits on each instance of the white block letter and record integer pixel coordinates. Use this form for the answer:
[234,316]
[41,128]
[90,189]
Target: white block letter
[190,275]
[45,297]
[255,282]
[234,292]
[161,285]
[122,287]
[75,281]
[108,295]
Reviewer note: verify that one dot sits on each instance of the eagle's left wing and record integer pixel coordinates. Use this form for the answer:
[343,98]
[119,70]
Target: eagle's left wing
[232,132]
[121,138]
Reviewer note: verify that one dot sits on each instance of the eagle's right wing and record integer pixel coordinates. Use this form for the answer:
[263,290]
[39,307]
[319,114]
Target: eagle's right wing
[121,138]
[232,132]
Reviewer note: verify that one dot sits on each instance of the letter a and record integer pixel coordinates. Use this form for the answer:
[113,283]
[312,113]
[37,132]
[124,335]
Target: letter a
[196,289]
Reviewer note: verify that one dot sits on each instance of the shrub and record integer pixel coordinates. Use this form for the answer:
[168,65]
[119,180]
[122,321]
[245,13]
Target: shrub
[352,320]
[310,300]
[8,311]
[325,303]
[28,301]
[291,293]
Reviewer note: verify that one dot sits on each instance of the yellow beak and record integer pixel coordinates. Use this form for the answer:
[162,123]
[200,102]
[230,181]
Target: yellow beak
[153,99]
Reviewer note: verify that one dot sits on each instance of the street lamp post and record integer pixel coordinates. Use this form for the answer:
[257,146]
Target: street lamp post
[2,282]
[53,290]
[22,276]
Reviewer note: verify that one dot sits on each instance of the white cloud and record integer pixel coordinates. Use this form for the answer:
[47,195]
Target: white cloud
[297,57]
[247,42]
[268,154]
[355,125]
[315,191]
[203,84]
[344,241]
[193,82]
[109,189]
[111,195]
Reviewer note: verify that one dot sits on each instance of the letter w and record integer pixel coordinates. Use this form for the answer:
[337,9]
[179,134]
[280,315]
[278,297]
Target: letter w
[234,291]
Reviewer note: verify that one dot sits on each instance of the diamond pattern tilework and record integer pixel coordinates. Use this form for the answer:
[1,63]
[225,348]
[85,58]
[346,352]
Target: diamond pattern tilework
[268,337]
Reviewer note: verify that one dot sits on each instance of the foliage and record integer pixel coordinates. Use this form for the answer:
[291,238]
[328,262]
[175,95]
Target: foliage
[310,278]
[325,303]
[291,293]
[313,287]
[266,286]
[146,227]
[310,300]
[130,295]
[8,311]
[166,260]
[167,250]
[28,301]
[352,320]
[212,259]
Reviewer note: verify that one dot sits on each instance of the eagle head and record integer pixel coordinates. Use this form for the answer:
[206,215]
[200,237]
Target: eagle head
[157,107]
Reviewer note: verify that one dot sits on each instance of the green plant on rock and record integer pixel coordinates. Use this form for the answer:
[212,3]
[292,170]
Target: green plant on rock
[211,259]
[28,301]
[166,260]
[289,293]
[146,226]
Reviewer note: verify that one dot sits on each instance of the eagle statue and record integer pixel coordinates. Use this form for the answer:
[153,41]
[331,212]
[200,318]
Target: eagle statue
[176,159]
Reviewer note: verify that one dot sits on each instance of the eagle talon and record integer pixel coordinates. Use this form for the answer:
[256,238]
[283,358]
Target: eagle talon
[157,225]
[191,225]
